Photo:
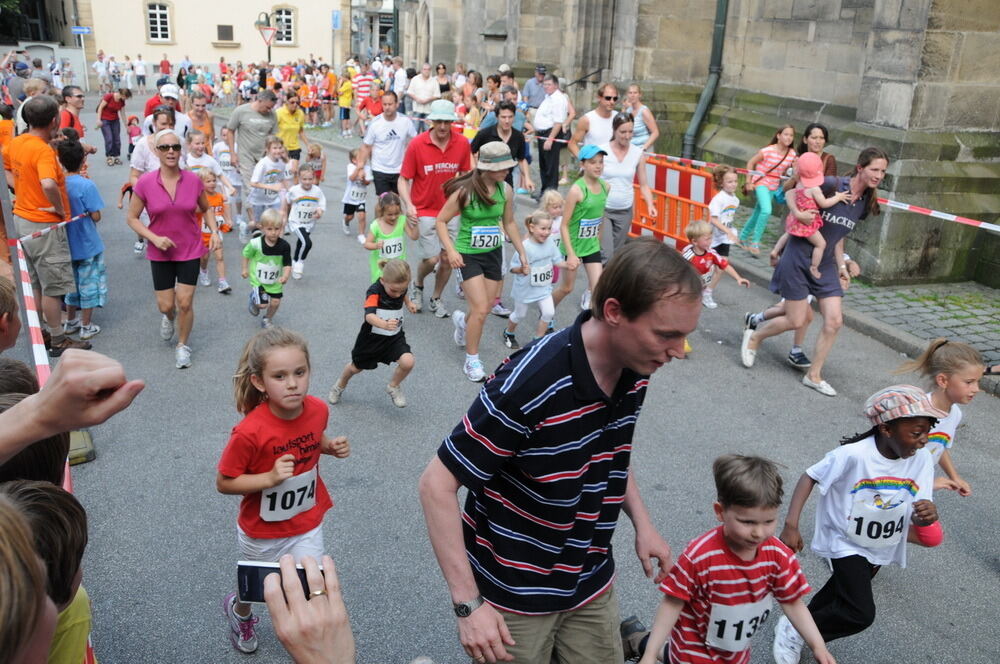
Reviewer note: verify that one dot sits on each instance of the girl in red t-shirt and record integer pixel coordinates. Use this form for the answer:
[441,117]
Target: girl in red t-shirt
[272,460]
[110,116]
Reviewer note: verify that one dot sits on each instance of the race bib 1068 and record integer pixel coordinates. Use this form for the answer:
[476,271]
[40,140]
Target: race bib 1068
[295,495]
[730,628]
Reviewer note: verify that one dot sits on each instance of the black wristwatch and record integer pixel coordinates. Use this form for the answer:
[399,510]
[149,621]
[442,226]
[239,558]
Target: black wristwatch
[465,609]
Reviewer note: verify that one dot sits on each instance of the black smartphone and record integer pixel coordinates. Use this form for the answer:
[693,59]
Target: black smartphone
[250,577]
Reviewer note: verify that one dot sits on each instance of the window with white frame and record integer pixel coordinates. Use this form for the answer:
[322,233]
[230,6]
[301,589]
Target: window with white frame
[158,22]
[284,20]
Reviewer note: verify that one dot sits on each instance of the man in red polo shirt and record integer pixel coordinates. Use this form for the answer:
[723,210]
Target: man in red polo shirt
[431,159]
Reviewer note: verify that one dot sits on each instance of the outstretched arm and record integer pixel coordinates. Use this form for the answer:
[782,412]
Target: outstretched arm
[790,534]
[648,542]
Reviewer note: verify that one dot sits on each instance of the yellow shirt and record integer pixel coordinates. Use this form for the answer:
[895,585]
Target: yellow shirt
[289,126]
[70,641]
[345,94]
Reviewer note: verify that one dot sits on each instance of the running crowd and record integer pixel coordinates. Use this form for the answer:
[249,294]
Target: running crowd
[544,449]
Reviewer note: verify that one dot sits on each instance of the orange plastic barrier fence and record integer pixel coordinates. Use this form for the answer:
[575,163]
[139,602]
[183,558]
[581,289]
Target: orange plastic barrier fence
[681,194]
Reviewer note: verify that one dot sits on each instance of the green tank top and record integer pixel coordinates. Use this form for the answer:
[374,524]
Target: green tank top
[585,225]
[479,226]
[393,245]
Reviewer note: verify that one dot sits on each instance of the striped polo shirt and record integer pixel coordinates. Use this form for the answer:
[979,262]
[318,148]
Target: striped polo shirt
[544,454]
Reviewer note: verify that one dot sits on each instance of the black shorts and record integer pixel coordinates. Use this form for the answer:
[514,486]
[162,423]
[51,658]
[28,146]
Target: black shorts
[263,296]
[488,264]
[351,208]
[166,274]
[345,113]
[722,249]
[295,154]
[368,357]
[591,258]
[385,182]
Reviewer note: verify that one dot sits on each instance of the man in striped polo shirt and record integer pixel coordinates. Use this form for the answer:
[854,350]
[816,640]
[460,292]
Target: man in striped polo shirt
[544,453]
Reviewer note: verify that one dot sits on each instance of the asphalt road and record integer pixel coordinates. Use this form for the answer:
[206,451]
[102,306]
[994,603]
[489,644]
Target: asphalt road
[163,549]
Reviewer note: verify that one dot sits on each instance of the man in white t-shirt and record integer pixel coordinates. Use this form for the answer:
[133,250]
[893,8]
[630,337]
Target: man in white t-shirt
[400,82]
[100,68]
[549,120]
[385,142]
[422,90]
[140,67]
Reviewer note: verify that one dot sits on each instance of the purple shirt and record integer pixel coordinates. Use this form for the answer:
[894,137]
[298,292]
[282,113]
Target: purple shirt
[175,218]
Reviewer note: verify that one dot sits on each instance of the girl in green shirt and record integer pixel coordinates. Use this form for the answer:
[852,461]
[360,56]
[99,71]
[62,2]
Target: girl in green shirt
[385,234]
[581,227]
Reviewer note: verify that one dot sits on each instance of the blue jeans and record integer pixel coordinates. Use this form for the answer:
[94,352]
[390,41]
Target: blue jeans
[111,130]
[753,230]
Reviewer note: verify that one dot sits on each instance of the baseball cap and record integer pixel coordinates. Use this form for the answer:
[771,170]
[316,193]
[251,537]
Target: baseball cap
[540,69]
[170,91]
[504,67]
[442,109]
[589,151]
[809,168]
[495,156]
[20,66]
[899,401]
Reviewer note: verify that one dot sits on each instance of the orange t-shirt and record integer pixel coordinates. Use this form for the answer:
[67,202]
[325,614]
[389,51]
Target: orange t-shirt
[32,160]
[215,203]
[6,132]
[331,86]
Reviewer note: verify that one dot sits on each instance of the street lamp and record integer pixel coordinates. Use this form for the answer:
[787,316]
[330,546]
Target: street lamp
[269,20]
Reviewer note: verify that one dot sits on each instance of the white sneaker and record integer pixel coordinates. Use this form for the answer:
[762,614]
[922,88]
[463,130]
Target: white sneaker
[707,301]
[183,356]
[500,310]
[335,392]
[787,648]
[297,267]
[203,279]
[747,355]
[347,228]
[88,331]
[396,393]
[417,297]
[437,308]
[224,287]
[166,328]
[139,247]
[458,319]
[585,300]
[474,371]
[361,238]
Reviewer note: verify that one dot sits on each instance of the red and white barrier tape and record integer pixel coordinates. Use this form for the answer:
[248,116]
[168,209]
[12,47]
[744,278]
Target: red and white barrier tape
[38,351]
[47,229]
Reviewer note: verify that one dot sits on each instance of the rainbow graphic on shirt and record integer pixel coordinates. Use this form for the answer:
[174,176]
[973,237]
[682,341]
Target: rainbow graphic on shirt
[307,199]
[939,438]
[887,484]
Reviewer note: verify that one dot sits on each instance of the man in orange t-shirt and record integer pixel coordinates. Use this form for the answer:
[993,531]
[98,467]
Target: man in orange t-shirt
[33,171]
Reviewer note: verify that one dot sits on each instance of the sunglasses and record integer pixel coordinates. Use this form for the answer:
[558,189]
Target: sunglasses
[77,96]
[615,98]
[176,147]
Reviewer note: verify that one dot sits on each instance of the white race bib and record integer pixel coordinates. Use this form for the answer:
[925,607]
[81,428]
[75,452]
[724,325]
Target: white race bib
[730,628]
[303,212]
[357,195]
[391,248]
[267,274]
[541,275]
[295,495]
[871,527]
[389,314]
[589,228]
[484,237]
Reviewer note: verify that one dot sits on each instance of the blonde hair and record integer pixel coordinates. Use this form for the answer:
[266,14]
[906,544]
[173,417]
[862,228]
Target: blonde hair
[535,217]
[697,229]
[269,218]
[272,140]
[550,197]
[315,150]
[193,134]
[943,357]
[22,582]
[205,173]
[394,270]
[253,361]
[353,154]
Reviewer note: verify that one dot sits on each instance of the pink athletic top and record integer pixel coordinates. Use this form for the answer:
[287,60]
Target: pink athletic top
[774,156]
[175,218]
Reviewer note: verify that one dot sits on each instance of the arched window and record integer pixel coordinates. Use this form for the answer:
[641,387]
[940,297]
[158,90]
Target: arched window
[285,22]
[158,22]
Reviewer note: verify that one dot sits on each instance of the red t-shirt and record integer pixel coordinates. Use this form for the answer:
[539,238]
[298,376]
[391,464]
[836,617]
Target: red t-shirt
[372,105]
[719,591]
[67,119]
[152,103]
[429,167]
[260,440]
[164,69]
[705,263]
[111,107]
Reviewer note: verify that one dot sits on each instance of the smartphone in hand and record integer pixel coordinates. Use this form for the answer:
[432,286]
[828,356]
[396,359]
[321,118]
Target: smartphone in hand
[250,577]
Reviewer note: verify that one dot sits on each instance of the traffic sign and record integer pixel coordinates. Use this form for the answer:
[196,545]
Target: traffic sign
[81,29]
[336,19]
[267,32]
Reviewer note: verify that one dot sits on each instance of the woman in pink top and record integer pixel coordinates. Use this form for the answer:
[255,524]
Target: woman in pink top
[773,160]
[172,198]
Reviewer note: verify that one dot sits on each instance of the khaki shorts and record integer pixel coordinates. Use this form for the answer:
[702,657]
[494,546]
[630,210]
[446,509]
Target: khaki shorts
[587,635]
[48,258]
[430,245]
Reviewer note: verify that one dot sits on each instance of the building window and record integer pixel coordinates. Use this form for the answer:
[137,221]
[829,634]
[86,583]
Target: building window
[225,32]
[284,20]
[158,22]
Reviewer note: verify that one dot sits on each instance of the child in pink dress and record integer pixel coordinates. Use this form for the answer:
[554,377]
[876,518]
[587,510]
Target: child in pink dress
[809,199]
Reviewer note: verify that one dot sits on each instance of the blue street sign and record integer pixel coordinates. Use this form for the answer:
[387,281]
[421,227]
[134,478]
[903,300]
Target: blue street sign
[81,29]
[336,19]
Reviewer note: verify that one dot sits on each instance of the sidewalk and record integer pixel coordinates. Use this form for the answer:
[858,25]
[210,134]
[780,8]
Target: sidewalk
[904,318]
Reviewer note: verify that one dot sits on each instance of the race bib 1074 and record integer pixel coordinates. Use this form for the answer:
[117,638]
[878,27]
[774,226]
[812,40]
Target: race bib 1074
[295,495]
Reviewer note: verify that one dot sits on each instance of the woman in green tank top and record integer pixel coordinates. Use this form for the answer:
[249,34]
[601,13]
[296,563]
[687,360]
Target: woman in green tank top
[484,203]
[581,234]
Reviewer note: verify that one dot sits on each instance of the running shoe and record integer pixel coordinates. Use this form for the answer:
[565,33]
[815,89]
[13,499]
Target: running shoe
[798,359]
[71,326]
[749,321]
[474,371]
[707,301]
[242,632]
[265,323]
[118,161]
[822,386]
[458,319]
[203,279]
[139,247]
[166,328]
[510,341]
[500,310]
[361,238]
[747,354]
[335,392]
[297,267]
[585,300]
[417,296]
[183,356]
[89,331]
[254,304]
[787,648]
[244,235]
[437,307]
[347,228]
[396,393]
[55,350]
[551,328]
[224,287]
[633,632]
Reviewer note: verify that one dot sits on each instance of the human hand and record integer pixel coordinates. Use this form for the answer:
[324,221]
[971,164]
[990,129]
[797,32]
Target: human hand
[547,145]
[162,242]
[412,307]
[924,513]
[572,262]
[338,447]
[823,656]
[234,160]
[743,282]
[853,269]
[313,631]
[282,279]
[845,278]
[411,213]
[244,274]
[231,191]
[528,184]
[390,324]
[483,635]
[283,468]
[455,259]
[792,538]
[215,242]
[379,244]
[648,545]
[960,485]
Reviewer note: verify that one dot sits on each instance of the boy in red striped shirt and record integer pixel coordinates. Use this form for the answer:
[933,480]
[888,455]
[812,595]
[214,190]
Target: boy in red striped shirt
[719,593]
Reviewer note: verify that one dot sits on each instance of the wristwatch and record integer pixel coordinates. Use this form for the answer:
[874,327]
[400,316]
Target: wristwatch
[464,609]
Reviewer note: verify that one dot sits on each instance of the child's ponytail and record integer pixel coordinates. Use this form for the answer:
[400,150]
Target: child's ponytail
[847,440]
[943,357]
[387,200]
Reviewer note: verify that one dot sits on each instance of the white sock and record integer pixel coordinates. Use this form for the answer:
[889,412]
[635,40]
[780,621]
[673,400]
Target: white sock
[758,318]
[470,358]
